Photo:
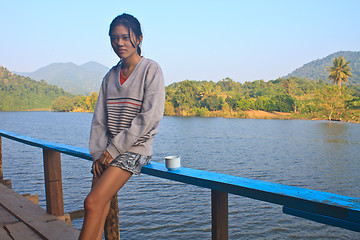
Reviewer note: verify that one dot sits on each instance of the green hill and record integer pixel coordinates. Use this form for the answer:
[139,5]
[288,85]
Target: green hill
[18,93]
[317,69]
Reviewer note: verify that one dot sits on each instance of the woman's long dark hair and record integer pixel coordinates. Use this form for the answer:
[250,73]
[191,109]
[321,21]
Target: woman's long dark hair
[130,22]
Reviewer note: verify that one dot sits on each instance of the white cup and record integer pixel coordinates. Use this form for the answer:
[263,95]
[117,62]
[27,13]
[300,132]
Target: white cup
[172,163]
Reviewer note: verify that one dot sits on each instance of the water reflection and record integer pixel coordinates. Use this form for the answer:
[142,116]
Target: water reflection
[339,155]
[333,132]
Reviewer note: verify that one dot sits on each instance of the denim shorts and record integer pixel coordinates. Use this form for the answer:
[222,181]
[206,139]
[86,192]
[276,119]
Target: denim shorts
[131,162]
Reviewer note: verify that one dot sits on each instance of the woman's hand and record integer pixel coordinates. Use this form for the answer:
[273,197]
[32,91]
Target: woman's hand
[102,163]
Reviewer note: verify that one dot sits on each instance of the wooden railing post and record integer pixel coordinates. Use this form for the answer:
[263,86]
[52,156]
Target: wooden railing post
[53,183]
[6,182]
[219,215]
[111,229]
[1,165]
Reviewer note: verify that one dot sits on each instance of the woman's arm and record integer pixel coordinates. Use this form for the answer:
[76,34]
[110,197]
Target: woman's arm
[98,134]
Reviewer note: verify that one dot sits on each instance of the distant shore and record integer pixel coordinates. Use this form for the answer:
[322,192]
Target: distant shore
[251,114]
[259,114]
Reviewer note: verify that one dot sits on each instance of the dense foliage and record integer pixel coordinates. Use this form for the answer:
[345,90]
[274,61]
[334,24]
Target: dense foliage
[226,98]
[19,93]
[77,104]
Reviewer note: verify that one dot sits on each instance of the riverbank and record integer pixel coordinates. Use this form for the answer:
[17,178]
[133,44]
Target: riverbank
[353,117]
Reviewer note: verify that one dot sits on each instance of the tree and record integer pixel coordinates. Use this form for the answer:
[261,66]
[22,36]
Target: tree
[79,102]
[91,101]
[340,71]
[283,103]
[169,108]
[213,103]
[331,100]
[62,104]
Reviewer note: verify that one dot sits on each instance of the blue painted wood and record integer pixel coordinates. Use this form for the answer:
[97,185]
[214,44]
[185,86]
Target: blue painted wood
[323,203]
[323,219]
[62,148]
[307,200]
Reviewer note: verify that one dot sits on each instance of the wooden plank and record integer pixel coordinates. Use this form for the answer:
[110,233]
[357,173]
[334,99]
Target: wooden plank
[57,147]
[66,218]
[77,214]
[6,182]
[323,219]
[219,215]
[4,235]
[19,231]
[323,203]
[36,218]
[53,182]
[6,217]
[33,198]
[1,163]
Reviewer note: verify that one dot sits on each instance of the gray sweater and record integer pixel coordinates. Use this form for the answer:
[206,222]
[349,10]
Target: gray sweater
[126,117]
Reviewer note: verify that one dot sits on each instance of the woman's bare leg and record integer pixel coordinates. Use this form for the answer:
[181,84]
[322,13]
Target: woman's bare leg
[102,223]
[105,213]
[98,200]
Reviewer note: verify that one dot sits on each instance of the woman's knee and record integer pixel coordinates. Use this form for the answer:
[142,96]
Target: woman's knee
[92,203]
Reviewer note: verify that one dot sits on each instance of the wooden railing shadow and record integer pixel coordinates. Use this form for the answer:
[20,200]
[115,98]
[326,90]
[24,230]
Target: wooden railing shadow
[323,207]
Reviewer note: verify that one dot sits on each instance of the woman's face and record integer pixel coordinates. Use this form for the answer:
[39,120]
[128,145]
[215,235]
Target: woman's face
[120,42]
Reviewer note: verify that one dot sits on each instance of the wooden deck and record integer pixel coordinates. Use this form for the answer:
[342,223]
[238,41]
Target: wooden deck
[22,219]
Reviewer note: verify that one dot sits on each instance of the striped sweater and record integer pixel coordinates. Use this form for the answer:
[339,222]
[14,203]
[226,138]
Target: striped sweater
[127,116]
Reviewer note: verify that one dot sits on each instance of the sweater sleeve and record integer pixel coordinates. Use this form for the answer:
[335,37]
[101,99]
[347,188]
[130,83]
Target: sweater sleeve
[98,134]
[151,113]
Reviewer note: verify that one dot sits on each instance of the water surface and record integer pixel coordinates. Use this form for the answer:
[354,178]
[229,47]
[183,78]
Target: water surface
[312,154]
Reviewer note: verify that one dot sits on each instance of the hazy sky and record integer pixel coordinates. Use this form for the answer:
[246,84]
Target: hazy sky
[195,40]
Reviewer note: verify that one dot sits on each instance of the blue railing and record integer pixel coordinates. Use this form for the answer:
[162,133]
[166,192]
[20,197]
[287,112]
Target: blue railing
[323,207]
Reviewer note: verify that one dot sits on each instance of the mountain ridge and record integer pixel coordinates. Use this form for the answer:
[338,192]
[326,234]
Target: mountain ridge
[316,69]
[86,78]
[76,79]
[19,93]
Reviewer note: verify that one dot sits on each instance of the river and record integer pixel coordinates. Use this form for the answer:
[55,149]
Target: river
[313,154]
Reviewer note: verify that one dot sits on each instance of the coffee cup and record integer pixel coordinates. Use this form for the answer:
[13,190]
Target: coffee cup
[172,163]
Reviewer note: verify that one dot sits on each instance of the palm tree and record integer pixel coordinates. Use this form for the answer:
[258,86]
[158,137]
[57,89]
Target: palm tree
[340,71]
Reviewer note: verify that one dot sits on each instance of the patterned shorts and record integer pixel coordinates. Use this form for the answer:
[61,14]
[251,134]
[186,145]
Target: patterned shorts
[131,162]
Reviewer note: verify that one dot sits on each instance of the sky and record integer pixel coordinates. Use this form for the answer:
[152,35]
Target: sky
[190,39]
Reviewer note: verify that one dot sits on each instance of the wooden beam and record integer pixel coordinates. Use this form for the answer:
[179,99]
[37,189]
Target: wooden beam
[66,218]
[317,202]
[33,198]
[1,164]
[219,215]
[77,214]
[53,183]
[111,228]
[57,147]
[6,182]
[323,219]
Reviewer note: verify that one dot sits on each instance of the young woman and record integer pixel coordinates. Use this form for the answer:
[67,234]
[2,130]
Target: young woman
[126,118]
